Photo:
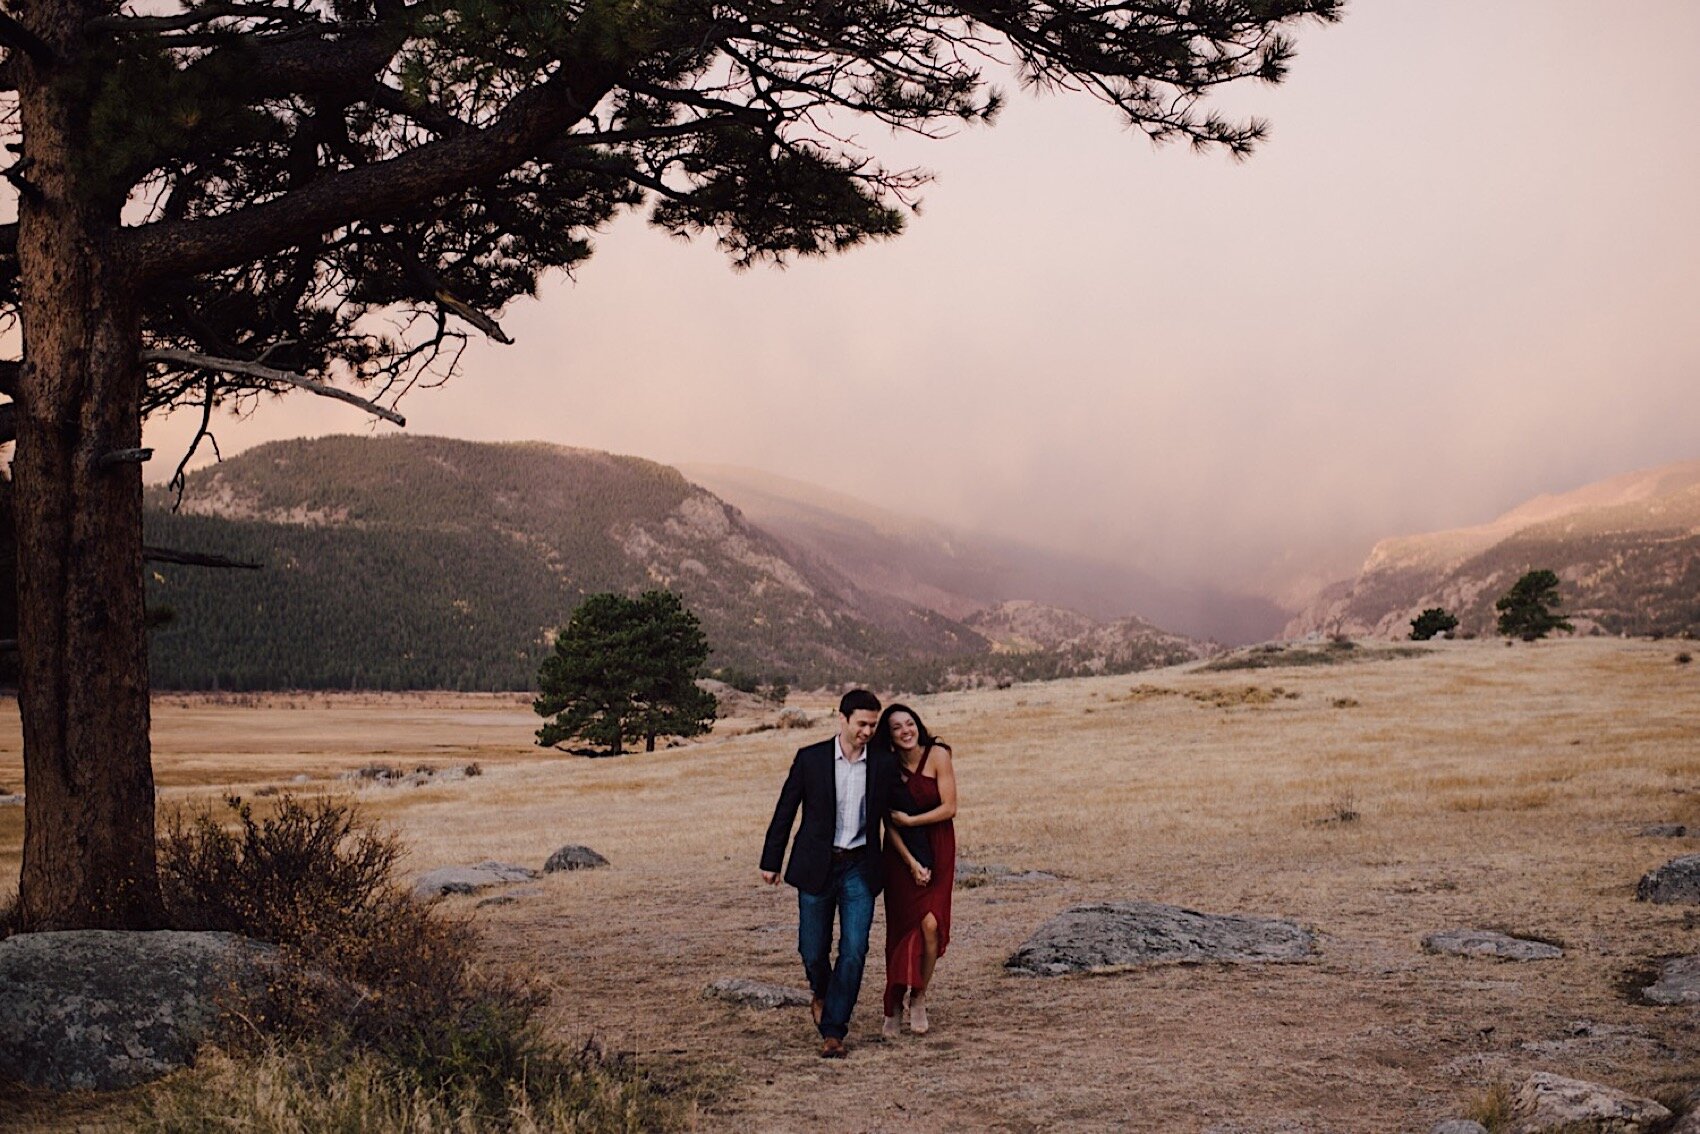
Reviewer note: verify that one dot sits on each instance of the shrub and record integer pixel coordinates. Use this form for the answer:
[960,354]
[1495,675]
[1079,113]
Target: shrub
[1494,1108]
[1684,658]
[287,1090]
[378,971]
[385,1022]
[1435,620]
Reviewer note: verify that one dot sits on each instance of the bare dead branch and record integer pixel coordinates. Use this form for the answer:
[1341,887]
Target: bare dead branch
[472,315]
[193,558]
[269,374]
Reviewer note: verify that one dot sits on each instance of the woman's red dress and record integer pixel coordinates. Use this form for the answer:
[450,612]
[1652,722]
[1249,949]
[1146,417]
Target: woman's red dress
[906,904]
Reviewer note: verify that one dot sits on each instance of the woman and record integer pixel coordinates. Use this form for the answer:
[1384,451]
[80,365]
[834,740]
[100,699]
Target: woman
[917,899]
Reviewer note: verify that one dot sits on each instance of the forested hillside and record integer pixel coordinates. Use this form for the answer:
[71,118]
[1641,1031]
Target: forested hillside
[420,562]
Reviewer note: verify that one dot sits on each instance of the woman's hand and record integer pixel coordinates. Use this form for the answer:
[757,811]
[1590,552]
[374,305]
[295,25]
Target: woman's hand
[922,874]
[899,819]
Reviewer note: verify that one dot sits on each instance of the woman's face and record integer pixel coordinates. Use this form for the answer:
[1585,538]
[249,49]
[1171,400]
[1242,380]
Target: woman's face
[904,732]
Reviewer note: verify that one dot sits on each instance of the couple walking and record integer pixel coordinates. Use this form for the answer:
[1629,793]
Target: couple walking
[882,773]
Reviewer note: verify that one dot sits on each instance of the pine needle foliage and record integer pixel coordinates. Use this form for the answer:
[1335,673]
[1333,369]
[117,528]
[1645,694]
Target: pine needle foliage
[1529,610]
[625,668]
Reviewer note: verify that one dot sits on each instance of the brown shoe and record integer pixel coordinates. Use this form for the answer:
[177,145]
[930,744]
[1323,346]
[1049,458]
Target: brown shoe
[832,1048]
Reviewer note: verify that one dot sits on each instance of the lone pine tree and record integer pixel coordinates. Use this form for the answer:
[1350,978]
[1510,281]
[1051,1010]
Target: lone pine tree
[217,201]
[625,668]
[1529,610]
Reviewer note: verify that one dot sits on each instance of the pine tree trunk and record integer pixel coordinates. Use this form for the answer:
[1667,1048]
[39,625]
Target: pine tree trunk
[83,686]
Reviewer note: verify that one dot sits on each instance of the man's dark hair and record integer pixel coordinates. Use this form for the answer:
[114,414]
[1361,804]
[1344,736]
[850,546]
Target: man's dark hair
[857,699]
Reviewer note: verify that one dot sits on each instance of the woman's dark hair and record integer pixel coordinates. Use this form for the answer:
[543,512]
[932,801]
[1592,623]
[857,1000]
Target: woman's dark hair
[882,734]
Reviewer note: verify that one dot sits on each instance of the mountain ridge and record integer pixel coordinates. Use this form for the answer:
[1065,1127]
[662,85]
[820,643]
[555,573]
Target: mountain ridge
[1626,549]
[429,562]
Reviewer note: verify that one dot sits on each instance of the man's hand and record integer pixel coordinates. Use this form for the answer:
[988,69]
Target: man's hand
[771,877]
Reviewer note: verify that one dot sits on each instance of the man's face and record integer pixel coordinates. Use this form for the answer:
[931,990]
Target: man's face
[857,729]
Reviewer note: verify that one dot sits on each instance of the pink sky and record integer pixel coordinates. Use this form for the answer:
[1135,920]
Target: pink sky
[1461,272]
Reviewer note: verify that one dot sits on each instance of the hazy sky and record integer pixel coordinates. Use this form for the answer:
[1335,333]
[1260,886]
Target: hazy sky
[1462,271]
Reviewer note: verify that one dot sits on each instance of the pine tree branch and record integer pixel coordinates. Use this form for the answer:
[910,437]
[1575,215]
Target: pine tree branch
[204,14]
[19,38]
[269,374]
[306,60]
[531,120]
[427,114]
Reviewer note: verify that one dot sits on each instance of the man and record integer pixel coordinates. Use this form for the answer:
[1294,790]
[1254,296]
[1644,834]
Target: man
[835,860]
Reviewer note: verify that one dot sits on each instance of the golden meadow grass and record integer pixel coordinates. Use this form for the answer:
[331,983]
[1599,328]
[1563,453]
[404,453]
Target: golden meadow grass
[1487,787]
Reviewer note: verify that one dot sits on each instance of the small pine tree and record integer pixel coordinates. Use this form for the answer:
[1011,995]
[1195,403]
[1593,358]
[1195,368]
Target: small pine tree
[625,668]
[1434,620]
[1529,610]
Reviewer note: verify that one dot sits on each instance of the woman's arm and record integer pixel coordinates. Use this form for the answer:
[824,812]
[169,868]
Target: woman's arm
[946,769]
[918,872]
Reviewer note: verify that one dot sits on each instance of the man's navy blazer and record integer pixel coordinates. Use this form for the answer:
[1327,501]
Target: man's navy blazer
[812,786]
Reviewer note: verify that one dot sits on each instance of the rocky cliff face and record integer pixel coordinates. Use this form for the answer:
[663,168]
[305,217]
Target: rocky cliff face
[1626,550]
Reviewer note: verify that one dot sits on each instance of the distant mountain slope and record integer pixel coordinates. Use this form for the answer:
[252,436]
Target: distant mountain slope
[957,573]
[419,562]
[1020,625]
[1072,644]
[1626,550]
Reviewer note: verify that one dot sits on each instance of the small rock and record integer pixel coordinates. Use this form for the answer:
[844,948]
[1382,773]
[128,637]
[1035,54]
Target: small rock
[470,879]
[1458,1126]
[573,858]
[1664,831]
[972,874]
[1551,1102]
[1110,936]
[1678,983]
[758,994]
[1676,881]
[11,800]
[301,778]
[1488,943]
[509,897]
[103,1009]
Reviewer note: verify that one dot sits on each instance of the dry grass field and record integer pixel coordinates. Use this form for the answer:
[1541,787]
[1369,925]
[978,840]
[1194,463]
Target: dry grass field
[1473,785]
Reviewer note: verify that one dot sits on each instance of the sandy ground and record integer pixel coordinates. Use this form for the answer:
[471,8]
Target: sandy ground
[1493,787]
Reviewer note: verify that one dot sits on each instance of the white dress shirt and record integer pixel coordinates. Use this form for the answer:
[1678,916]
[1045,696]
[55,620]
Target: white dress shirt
[851,780]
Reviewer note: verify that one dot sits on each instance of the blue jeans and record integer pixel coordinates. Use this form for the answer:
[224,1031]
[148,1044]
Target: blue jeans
[846,894]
